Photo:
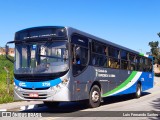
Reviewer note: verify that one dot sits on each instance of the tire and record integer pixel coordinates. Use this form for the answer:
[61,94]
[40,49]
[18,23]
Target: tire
[138,91]
[94,97]
[50,104]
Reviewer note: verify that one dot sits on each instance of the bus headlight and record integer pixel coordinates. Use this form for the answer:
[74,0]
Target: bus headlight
[52,88]
[17,88]
[64,81]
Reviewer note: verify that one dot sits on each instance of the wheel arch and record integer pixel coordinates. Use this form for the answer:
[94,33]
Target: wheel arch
[139,82]
[96,83]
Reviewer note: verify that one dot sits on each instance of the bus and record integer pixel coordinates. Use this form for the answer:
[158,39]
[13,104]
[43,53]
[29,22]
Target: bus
[57,64]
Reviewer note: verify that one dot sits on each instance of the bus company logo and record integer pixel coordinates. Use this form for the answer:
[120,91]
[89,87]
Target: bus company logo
[22,84]
[150,75]
[33,88]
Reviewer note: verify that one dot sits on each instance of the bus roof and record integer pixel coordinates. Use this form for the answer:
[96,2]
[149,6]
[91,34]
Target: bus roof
[71,30]
[40,27]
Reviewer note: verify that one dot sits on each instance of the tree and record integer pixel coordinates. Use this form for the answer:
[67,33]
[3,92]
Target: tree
[158,34]
[155,51]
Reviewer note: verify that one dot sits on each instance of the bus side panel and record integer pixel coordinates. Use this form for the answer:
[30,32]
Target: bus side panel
[113,82]
[125,80]
[82,84]
[147,80]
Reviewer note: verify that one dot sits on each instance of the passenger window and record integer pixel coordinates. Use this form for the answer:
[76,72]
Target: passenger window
[132,59]
[98,48]
[113,52]
[124,64]
[139,63]
[114,63]
[124,60]
[99,60]
[150,65]
[123,55]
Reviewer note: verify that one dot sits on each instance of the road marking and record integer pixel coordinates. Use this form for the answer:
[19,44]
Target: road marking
[3,109]
[28,107]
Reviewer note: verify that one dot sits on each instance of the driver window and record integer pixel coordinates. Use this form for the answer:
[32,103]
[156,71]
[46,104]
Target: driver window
[80,55]
[80,58]
[79,52]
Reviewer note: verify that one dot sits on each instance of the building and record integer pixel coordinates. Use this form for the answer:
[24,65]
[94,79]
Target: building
[11,51]
[148,53]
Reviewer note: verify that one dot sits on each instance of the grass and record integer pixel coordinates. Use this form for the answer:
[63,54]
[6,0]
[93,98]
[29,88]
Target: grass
[6,97]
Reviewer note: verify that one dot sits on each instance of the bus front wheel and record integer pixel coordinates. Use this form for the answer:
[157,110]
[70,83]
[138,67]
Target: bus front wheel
[94,97]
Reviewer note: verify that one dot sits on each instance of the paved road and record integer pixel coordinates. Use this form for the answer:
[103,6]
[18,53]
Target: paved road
[150,101]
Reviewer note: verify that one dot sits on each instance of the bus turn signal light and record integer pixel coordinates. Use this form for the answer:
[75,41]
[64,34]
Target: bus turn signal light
[78,89]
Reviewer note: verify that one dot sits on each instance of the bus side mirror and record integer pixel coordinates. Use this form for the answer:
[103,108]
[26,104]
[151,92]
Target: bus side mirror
[7,54]
[7,49]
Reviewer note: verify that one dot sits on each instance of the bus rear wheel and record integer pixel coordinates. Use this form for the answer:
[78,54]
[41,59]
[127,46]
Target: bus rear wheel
[138,91]
[51,104]
[94,97]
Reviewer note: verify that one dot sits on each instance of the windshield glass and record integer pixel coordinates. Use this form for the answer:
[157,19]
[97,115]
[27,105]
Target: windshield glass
[41,58]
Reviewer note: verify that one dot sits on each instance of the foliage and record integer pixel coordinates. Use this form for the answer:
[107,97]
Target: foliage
[157,74]
[4,96]
[155,51]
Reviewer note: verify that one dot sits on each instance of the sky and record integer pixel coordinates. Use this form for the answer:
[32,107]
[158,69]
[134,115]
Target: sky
[130,23]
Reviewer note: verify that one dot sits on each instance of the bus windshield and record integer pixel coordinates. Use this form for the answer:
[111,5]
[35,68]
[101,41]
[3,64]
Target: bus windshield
[41,57]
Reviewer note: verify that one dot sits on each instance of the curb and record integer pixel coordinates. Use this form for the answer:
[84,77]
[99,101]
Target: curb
[27,107]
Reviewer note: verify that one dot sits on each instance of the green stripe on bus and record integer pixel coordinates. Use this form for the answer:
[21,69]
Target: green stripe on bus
[121,85]
[141,54]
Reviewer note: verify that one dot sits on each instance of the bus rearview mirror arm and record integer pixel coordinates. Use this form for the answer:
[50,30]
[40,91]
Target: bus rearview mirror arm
[7,51]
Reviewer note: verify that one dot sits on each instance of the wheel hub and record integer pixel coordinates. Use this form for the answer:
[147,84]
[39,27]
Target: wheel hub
[138,91]
[95,96]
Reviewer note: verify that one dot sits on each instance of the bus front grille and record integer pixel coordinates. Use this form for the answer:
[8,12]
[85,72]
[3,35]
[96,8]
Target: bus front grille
[40,96]
[37,88]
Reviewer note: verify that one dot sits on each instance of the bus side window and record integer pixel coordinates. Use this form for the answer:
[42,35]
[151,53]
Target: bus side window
[73,54]
[114,63]
[132,59]
[150,65]
[77,54]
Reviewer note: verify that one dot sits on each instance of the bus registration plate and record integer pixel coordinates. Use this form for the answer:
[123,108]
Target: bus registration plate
[33,95]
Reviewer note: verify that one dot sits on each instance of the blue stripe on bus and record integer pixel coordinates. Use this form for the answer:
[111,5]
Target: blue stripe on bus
[35,85]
